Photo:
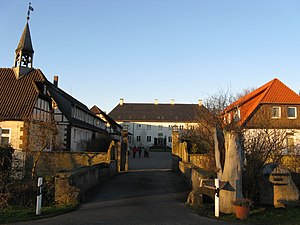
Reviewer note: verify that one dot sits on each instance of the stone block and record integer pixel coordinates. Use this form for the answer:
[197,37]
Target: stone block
[195,198]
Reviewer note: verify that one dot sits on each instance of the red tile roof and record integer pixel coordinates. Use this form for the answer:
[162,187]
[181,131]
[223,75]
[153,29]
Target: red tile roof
[18,96]
[274,92]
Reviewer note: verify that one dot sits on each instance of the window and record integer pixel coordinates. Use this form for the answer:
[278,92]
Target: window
[276,112]
[125,127]
[170,139]
[138,126]
[170,127]
[237,115]
[148,127]
[292,112]
[5,137]
[148,138]
[180,127]
[160,127]
[229,118]
[191,127]
[74,135]
[129,139]
[138,138]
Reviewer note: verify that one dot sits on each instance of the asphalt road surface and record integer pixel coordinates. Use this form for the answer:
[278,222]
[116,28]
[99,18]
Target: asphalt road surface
[149,194]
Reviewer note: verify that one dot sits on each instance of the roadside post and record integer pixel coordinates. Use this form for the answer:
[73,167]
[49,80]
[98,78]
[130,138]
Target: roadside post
[217,197]
[39,197]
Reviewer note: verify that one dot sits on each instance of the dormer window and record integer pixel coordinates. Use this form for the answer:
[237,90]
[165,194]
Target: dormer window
[237,115]
[228,118]
[292,112]
[276,112]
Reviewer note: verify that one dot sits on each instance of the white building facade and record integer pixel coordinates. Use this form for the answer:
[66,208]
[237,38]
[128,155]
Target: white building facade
[151,124]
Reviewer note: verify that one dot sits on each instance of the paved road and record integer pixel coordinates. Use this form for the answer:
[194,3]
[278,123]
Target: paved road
[149,194]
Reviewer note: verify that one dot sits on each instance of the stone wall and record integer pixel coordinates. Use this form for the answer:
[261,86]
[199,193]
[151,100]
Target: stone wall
[50,163]
[291,162]
[204,161]
[71,186]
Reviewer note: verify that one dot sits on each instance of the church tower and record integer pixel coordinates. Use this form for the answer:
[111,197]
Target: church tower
[24,52]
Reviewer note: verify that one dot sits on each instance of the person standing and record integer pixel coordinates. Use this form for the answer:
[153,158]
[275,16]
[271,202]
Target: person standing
[134,150]
[140,151]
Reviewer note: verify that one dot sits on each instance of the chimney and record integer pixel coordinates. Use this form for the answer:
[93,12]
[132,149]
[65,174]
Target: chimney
[200,102]
[172,101]
[55,81]
[156,101]
[121,101]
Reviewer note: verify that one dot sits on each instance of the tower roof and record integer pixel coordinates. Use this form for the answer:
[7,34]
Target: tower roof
[25,43]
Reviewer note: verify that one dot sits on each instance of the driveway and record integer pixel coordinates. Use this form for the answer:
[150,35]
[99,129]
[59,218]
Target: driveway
[148,194]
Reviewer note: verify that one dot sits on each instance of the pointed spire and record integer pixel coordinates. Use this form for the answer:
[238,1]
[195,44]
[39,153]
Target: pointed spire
[25,43]
[24,52]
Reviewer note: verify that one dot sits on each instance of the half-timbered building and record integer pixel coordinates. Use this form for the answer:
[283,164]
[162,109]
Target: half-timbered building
[30,104]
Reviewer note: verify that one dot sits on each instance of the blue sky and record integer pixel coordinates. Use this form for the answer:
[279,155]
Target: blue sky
[141,50]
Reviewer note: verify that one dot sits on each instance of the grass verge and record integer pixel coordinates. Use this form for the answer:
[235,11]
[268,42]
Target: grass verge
[10,215]
[259,216]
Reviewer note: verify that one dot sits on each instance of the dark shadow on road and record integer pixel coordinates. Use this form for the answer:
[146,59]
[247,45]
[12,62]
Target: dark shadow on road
[141,183]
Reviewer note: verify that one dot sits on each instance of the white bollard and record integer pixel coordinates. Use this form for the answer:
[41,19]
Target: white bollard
[39,197]
[217,197]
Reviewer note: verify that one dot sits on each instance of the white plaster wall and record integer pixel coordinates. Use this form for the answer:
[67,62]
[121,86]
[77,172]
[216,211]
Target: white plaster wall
[15,132]
[78,135]
[295,132]
[166,130]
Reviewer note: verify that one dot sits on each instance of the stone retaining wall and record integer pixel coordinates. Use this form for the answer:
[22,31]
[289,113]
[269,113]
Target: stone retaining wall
[204,161]
[50,163]
[71,186]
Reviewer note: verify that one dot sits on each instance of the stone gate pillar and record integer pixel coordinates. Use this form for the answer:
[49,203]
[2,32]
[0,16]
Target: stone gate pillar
[123,156]
[175,149]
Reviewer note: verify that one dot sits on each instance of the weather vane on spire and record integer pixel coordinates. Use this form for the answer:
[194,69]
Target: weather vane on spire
[28,12]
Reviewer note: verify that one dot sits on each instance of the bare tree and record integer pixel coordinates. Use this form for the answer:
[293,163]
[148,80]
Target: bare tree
[261,146]
[41,136]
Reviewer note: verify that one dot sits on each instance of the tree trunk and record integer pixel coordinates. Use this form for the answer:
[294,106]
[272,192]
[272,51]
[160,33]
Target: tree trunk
[232,171]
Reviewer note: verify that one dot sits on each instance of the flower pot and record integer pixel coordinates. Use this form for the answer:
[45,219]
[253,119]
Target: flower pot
[241,212]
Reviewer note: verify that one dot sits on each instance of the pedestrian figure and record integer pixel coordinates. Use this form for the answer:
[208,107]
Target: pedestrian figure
[134,150]
[147,152]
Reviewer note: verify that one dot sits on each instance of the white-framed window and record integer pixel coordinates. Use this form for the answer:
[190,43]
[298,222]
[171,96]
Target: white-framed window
[160,127]
[138,126]
[229,118]
[170,127]
[148,127]
[170,138]
[138,138]
[5,136]
[292,112]
[75,134]
[125,127]
[129,138]
[276,112]
[191,127]
[148,138]
[180,127]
